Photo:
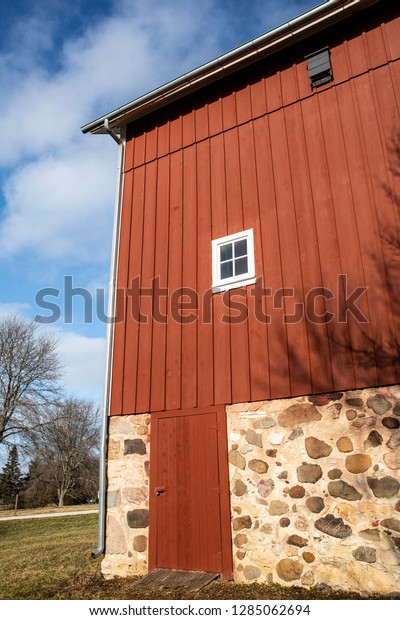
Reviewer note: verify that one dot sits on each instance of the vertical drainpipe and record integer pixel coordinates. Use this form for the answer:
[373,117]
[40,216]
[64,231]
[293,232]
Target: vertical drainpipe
[110,342]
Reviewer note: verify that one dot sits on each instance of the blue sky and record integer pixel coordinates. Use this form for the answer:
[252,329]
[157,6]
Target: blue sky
[62,65]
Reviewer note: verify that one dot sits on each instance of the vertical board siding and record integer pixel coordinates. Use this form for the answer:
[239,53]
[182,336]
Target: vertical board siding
[315,174]
[196,493]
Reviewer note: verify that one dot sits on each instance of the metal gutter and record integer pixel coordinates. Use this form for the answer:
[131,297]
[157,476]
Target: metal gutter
[110,344]
[281,37]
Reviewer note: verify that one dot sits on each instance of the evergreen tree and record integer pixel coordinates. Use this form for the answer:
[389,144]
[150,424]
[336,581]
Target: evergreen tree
[10,478]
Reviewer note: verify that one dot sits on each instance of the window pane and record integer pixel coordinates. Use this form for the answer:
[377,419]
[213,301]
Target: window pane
[227,270]
[226,252]
[241,266]
[241,247]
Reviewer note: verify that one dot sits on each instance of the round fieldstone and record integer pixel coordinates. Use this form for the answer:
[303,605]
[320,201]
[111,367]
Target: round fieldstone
[344,444]
[379,404]
[333,526]
[298,414]
[391,524]
[316,448]
[261,467]
[390,423]
[383,487]
[134,446]
[276,437]
[297,492]
[146,467]
[240,555]
[137,495]
[301,522]
[309,473]
[308,557]
[271,453]
[296,433]
[138,518]
[369,421]
[323,399]
[370,534]
[392,458]
[264,423]
[339,488]
[264,487]
[116,540]
[355,402]
[140,543]
[253,438]
[240,540]
[351,414]
[251,572]
[394,440]
[277,507]
[289,570]
[284,522]
[373,440]
[334,410]
[236,459]
[283,475]
[315,504]
[297,541]
[396,409]
[390,557]
[239,488]
[358,463]
[334,474]
[365,554]
[308,578]
[397,506]
[241,523]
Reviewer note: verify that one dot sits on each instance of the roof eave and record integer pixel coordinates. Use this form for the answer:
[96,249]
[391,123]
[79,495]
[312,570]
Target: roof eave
[263,46]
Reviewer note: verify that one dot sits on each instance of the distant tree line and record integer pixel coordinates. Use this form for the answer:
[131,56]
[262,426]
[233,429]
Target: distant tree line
[57,435]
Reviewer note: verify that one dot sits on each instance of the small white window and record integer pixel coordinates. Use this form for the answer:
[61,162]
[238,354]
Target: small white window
[233,261]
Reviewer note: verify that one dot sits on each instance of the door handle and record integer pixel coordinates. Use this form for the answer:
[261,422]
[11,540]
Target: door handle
[159,490]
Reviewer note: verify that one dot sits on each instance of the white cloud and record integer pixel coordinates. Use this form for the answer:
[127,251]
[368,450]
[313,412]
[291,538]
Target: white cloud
[121,57]
[59,197]
[14,308]
[61,205]
[84,363]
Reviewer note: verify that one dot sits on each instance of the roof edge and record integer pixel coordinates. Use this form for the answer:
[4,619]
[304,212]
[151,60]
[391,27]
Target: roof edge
[281,37]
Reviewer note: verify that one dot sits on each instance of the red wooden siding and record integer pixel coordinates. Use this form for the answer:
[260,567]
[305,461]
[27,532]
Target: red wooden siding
[316,175]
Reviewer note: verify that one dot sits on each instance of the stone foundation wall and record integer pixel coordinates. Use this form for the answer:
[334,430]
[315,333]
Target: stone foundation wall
[315,490]
[127,496]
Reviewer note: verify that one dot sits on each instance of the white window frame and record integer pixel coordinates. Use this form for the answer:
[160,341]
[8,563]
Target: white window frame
[244,279]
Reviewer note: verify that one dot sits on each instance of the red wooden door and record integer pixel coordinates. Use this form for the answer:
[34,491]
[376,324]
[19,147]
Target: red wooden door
[189,506]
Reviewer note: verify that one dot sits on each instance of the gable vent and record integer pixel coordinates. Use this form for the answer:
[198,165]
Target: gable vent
[319,67]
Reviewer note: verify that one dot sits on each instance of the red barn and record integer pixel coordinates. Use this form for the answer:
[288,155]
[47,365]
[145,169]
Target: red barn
[252,406]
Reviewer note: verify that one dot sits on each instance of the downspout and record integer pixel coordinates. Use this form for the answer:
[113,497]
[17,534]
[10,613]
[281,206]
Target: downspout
[109,343]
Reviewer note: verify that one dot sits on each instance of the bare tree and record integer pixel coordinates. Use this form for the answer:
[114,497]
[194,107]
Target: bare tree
[65,450]
[29,372]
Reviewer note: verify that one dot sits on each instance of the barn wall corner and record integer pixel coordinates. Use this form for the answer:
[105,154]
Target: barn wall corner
[126,552]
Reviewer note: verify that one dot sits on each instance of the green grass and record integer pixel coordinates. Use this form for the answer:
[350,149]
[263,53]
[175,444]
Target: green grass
[47,559]
[38,556]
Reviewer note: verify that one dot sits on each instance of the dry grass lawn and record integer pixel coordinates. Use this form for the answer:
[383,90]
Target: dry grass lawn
[50,559]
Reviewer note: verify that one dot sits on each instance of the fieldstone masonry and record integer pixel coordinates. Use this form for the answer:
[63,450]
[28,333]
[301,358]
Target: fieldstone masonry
[127,496]
[315,487]
[315,490]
